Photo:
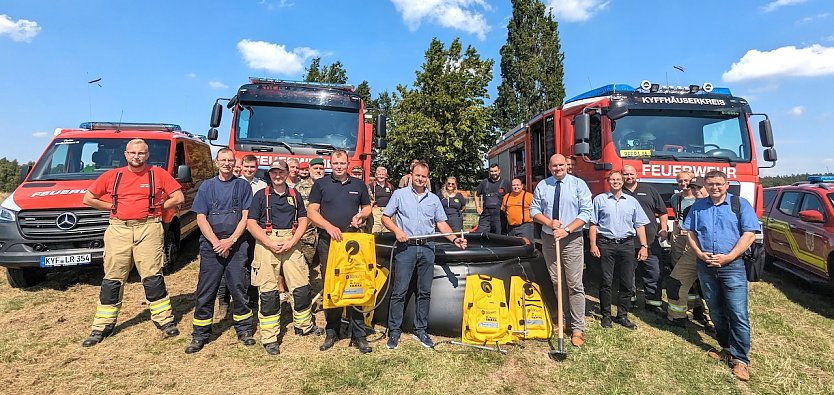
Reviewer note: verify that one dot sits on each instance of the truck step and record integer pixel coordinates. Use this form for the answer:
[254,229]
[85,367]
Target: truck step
[802,274]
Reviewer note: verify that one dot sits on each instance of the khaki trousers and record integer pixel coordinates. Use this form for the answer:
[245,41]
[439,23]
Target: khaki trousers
[683,276]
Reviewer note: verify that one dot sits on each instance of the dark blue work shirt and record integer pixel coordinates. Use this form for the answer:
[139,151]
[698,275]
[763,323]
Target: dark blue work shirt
[491,192]
[217,195]
[338,201]
[716,226]
[281,208]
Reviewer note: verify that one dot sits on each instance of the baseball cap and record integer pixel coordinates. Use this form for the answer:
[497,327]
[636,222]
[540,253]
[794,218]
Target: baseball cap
[304,165]
[279,164]
[696,181]
[317,161]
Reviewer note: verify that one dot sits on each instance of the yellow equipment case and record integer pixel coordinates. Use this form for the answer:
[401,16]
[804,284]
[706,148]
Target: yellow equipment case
[486,317]
[351,278]
[530,317]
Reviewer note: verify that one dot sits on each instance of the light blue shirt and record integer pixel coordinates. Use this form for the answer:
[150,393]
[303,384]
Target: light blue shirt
[617,218]
[415,215]
[574,200]
[716,226]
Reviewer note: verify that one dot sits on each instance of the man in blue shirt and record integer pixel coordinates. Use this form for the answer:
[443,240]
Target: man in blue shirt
[562,204]
[222,204]
[617,218]
[719,242]
[418,212]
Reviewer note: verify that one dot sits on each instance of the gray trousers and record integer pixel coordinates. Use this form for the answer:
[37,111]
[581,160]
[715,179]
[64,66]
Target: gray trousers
[573,261]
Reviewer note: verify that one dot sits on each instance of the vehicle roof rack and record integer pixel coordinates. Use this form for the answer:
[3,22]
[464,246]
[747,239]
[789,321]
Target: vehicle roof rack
[165,127]
[261,80]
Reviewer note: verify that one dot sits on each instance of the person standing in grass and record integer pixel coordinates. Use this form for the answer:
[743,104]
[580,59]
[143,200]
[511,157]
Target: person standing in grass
[719,242]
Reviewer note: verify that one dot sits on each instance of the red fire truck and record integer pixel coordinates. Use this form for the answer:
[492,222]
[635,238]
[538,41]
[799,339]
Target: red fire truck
[660,130]
[278,119]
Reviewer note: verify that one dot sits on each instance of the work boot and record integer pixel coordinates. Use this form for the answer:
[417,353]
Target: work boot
[246,338]
[314,330]
[700,316]
[195,346]
[272,348]
[624,321]
[97,336]
[676,322]
[605,322]
[169,330]
[577,338]
[329,340]
[361,343]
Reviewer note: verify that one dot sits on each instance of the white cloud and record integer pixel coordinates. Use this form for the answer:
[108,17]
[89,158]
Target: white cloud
[829,38]
[797,111]
[40,134]
[812,61]
[21,30]
[774,5]
[576,10]
[217,85]
[809,19]
[460,15]
[273,5]
[262,55]
[191,75]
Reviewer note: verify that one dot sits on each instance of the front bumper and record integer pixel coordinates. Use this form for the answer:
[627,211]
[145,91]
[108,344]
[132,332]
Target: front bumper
[19,252]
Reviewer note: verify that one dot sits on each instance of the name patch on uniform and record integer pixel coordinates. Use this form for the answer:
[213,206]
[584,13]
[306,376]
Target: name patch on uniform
[353,192]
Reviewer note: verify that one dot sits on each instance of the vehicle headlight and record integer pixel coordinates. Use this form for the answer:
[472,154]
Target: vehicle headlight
[7,215]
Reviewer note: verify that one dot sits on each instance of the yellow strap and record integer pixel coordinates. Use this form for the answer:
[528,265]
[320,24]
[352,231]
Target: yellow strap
[241,317]
[107,312]
[693,297]
[205,322]
[302,316]
[654,303]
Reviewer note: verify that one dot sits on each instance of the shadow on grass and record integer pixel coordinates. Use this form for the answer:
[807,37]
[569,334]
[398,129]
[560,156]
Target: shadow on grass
[816,296]
[181,304]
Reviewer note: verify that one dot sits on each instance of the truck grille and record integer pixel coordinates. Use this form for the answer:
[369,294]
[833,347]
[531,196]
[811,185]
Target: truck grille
[43,225]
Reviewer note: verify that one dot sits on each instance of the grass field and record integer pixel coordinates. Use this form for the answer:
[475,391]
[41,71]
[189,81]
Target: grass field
[41,330]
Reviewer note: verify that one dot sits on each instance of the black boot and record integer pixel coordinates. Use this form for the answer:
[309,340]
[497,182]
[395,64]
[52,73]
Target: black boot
[195,346]
[314,330]
[329,340]
[361,343]
[169,330]
[246,338]
[97,336]
[272,348]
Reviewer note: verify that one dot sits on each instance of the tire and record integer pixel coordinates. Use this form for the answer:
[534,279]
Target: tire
[25,277]
[170,251]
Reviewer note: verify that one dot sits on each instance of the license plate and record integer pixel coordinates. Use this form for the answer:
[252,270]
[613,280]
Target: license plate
[65,260]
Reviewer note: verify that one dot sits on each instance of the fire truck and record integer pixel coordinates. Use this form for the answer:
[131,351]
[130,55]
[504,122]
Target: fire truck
[660,130]
[279,119]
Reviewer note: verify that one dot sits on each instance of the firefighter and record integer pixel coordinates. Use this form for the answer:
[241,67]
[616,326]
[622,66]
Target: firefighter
[303,171]
[488,198]
[380,190]
[315,170]
[277,220]
[222,205]
[134,234]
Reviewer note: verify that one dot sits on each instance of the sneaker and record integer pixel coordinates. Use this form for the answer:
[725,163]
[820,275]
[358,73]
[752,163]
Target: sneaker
[605,322]
[195,346]
[97,336]
[169,330]
[740,371]
[247,338]
[393,341]
[424,339]
[722,355]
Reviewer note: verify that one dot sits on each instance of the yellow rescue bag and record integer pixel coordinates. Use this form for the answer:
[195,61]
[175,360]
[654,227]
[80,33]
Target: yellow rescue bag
[530,317]
[486,318]
[380,277]
[351,269]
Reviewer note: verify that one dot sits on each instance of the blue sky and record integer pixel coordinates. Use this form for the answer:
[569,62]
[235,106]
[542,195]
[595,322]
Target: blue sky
[169,60]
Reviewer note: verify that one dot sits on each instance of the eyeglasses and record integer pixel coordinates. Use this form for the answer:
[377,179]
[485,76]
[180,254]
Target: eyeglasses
[133,153]
[715,185]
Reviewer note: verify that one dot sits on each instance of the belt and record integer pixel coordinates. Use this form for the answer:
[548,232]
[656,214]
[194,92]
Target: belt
[418,242]
[134,222]
[617,241]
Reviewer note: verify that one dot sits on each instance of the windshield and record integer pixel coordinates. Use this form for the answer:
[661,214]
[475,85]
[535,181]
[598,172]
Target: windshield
[686,135]
[86,159]
[298,125]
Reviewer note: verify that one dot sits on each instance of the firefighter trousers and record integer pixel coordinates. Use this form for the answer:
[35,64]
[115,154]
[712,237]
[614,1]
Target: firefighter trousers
[377,216]
[213,268]
[679,286]
[126,243]
[266,266]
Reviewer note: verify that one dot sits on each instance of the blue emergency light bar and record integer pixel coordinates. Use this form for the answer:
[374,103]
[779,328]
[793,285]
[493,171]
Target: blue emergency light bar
[620,88]
[819,179]
[168,127]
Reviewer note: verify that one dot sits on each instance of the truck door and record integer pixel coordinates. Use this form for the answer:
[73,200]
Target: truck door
[779,223]
[584,168]
[809,236]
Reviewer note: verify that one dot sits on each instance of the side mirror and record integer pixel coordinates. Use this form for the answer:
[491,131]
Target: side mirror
[581,127]
[381,143]
[766,133]
[216,115]
[581,149]
[381,125]
[770,154]
[212,134]
[24,171]
[183,173]
[811,216]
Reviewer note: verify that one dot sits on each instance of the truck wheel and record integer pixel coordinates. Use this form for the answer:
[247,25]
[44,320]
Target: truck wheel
[25,277]
[170,250]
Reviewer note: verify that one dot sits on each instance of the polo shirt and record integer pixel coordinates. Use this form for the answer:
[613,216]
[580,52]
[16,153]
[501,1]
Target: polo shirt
[417,215]
[134,190]
[257,184]
[716,226]
[454,204]
[617,218]
[281,208]
[652,204]
[574,200]
[217,195]
[339,201]
[382,194]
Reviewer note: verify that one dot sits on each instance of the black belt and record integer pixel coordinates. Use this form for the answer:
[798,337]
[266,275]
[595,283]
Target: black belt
[617,241]
[418,242]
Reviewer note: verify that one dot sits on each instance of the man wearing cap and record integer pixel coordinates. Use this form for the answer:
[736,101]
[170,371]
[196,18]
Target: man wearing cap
[277,220]
[222,204]
[356,171]
[315,170]
[303,171]
[339,203]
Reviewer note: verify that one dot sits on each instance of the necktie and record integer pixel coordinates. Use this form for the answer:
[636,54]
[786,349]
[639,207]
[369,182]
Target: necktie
[557,194]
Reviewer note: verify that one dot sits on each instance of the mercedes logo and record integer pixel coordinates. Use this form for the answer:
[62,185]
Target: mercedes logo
[66,221]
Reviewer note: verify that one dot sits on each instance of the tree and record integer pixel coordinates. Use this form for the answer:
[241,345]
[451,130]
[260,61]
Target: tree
[334,73]
[531,66]
[9,174]
[443,119]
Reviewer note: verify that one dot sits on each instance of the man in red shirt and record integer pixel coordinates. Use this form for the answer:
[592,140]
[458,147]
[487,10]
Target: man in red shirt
[134,235]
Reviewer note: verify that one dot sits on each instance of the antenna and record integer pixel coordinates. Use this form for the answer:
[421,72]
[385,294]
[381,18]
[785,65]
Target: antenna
[589,83]
[119,125]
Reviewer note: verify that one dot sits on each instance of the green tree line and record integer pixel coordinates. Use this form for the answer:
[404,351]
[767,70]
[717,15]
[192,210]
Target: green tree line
[9,174]
[775,181]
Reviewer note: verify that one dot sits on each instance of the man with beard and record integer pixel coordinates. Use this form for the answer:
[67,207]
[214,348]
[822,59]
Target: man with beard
[488,197]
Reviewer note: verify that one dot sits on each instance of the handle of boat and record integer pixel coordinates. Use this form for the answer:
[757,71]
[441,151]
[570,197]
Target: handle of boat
[433,235]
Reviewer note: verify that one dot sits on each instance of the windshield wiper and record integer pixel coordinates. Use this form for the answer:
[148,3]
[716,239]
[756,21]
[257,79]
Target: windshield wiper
[673,157]
[708,158]
[272,142]
[328,148]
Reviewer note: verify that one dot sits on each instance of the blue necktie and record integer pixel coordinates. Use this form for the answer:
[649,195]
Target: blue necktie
[556,195]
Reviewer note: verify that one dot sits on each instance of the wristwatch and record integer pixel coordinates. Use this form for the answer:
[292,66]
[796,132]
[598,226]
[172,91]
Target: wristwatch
[646,246]
[234,240]
[567,229]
